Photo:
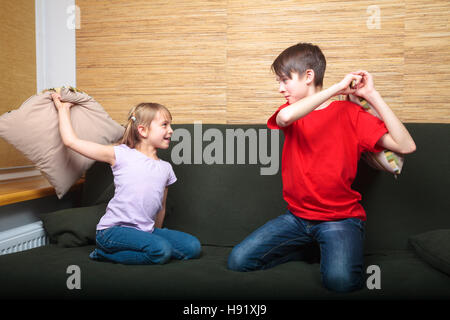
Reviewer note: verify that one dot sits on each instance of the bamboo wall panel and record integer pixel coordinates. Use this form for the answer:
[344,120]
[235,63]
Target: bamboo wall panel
[17,66]
[427,61]
[172,53]
[258,33]
[210,60]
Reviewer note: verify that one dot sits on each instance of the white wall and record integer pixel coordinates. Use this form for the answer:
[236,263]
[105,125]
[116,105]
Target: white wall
[55,43]
[55,67]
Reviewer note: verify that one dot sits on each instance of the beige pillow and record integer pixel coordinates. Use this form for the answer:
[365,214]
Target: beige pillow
[34,130]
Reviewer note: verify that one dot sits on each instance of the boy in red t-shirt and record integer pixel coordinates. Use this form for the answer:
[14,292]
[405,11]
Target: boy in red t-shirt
[323,143]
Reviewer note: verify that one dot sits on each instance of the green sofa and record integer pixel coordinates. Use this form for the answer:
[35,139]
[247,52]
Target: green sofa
[407,230]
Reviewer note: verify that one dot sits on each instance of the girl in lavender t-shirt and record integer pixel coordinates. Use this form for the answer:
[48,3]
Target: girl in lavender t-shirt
[131,230]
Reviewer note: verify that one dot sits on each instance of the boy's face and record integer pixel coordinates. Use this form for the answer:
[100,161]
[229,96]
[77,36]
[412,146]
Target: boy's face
[293,89]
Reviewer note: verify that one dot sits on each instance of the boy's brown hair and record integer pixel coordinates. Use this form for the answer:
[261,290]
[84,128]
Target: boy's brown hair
[299,58]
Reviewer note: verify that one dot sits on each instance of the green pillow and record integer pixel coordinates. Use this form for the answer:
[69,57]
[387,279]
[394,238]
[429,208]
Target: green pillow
[74,227]
[434,248]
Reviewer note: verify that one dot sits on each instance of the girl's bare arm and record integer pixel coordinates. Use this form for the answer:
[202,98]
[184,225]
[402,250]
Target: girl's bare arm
[92,150]
[162,213]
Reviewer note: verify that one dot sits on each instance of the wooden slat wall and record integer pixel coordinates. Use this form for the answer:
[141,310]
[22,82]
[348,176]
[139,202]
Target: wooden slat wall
[17,66]
[427,61]
[171,52]
[258,34]
[210,60]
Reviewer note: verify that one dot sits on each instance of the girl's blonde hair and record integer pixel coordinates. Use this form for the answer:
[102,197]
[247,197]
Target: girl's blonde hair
[141,114]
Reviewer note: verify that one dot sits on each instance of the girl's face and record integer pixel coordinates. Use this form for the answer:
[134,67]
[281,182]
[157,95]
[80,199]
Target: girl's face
[160,131]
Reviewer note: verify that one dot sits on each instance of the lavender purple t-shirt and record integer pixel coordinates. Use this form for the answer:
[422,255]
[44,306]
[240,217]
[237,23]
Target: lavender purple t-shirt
[140,183]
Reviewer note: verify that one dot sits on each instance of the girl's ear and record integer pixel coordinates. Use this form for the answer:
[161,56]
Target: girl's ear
[143,131]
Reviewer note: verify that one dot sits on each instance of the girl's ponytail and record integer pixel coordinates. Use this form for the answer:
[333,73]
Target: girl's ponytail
[129,136]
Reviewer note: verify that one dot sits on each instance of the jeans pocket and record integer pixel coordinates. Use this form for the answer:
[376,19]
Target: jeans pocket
[100,234]
[102,238]
[360,224]
[356,221]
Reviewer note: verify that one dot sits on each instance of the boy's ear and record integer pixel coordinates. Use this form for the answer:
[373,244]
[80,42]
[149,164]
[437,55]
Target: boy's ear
[309,74]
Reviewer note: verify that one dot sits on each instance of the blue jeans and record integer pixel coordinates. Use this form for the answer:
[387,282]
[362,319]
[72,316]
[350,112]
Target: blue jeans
[127,245]
[288,237]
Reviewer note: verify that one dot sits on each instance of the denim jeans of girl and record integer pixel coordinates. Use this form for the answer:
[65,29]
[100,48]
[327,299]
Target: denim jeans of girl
[286,238]
[128,245]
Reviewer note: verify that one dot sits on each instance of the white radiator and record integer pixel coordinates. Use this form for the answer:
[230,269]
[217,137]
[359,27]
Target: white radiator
[23,238]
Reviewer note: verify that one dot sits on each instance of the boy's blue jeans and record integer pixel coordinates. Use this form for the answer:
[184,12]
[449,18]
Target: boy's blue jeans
[286,237]
[127,245]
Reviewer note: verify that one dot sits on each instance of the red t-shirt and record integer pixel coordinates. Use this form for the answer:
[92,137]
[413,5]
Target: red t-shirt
[320,159]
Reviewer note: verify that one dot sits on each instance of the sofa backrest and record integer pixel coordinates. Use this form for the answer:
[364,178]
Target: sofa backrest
[222,202]
[418,200]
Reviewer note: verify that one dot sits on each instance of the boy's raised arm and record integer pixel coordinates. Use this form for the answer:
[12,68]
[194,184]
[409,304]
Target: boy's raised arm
[304,106]
[398,139]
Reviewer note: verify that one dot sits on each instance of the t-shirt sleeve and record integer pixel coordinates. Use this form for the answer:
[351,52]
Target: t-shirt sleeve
[172,178]
[119,155]
[369,130]
[272,122]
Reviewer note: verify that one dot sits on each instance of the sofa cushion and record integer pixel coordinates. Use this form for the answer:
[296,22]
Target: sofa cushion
[73,227]
[33,130]
[434,248]
[221,203]
[403,276]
